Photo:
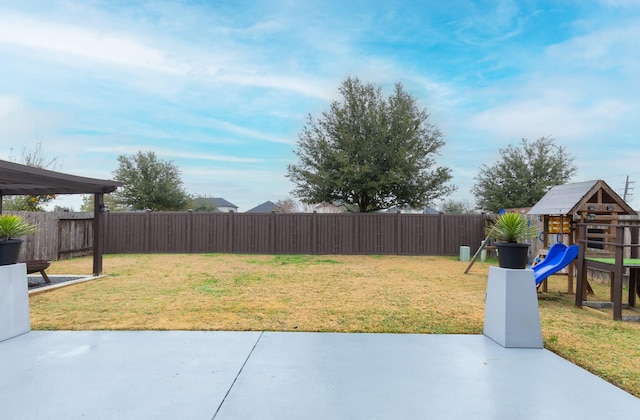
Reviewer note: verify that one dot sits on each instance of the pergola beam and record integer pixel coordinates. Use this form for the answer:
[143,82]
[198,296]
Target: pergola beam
[17,179]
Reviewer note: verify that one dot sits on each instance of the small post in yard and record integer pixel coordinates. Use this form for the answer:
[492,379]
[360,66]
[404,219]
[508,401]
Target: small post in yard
[464,253]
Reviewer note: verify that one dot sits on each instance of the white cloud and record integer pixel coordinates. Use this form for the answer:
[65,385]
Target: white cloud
[579,90]
[535,118]
[246,132]
[22,125]
[611,48]
[85,43]
[622,3]
[170,153]
[134,52]
[9,105]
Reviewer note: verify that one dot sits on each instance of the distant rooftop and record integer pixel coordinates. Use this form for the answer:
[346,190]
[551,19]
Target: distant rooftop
[221,202]
[266,207]
[208,203]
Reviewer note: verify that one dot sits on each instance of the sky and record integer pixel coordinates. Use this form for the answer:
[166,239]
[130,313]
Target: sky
[223,88]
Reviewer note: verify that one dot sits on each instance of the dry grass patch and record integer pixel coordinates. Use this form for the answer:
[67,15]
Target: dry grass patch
[390,294]
[257,292]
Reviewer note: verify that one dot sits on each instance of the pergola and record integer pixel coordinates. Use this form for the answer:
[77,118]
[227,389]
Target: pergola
[17,179]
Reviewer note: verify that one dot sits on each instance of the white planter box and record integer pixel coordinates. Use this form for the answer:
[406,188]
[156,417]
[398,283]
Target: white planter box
[14,301]
[512,318]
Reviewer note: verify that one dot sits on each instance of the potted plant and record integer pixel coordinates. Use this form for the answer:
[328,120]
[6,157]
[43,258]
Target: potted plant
[509,229]
[12,227]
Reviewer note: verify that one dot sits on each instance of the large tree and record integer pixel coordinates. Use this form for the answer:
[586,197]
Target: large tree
[149,183]
[523,175]
[370,152]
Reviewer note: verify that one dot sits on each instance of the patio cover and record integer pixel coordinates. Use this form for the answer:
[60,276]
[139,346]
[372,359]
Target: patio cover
[17,179]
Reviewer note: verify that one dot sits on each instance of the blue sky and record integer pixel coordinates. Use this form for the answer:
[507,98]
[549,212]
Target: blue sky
[222,88]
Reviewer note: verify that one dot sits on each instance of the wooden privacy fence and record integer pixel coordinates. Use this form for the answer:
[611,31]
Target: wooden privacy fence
[67,235]
[291,233]
[60,235]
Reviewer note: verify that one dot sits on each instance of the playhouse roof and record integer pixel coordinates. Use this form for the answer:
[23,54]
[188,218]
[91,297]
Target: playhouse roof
[568,199]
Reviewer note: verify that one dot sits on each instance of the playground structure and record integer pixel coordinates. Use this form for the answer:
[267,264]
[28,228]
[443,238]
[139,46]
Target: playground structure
[565,208]
[589,230]
[625,262]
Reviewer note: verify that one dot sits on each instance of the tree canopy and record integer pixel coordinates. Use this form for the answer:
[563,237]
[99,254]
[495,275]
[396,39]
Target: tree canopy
[35,158]
[203,204]
[149,183]
[109,200]
[522,175]
[370,152]
[456,207]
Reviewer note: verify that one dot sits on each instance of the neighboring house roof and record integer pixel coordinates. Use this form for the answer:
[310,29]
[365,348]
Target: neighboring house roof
[266,207]
[429,210]
[568,199]
[209,202]
[221,202]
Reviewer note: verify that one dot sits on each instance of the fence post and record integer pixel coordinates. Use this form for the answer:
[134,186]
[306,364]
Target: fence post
[398,236]
[314,233]
[355,246]
[147,233]
[442,233]
[272,232]
[190,230]
[231,232]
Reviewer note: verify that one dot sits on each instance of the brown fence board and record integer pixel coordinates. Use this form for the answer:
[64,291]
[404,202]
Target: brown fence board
[75,237]
[293,231]
[129,231]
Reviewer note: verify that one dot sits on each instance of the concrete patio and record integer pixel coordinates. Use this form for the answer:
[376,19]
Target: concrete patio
[275,375]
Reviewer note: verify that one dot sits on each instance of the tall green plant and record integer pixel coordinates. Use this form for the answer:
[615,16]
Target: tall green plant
[13,226]
[512,227]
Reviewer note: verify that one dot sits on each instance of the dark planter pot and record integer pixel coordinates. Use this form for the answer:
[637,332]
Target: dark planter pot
[512,255]
[9,251]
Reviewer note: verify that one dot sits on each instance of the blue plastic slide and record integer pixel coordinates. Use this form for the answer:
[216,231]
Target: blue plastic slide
[558,257]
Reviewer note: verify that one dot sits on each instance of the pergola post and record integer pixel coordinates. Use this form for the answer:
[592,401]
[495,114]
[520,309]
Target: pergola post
[98,215]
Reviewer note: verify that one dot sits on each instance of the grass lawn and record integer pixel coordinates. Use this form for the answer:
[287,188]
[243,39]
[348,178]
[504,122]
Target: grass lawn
[390,294]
